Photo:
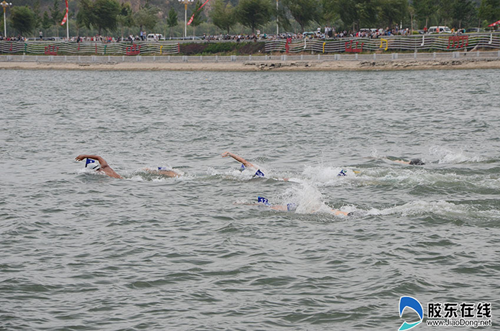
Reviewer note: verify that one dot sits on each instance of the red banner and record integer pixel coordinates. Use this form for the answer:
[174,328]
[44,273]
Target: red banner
[496,23]
[65,16]
[192,17]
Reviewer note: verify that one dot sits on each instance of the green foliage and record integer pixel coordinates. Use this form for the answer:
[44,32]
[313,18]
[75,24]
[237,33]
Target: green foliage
[36,12]
[254,13]
[424,9]
[347,11]
[218,48]
[56,13]
[148,17]
[303,11]
[367,13]
[172,19]
[244,48]
[126,18]
[490,10]
[101,14]
[392,11]
[464,12]
[46,21]
[23,19]
[223,15]
[283,19]
[198,17]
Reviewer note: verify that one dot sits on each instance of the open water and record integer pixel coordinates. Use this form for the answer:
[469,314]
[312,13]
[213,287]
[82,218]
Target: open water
[83,251]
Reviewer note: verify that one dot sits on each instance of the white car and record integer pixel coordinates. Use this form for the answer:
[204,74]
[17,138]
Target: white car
[439,29]
[155,37]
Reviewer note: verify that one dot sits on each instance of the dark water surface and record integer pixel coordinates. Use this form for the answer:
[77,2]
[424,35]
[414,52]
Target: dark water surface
[82,251]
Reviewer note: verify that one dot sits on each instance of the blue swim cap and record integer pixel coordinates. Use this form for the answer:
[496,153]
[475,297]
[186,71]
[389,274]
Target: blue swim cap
[259,174]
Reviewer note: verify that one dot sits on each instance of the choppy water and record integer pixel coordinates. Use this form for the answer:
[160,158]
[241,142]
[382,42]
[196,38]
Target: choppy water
[84,251]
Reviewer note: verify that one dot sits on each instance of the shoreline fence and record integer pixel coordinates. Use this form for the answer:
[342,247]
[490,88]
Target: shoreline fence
[429,43]
[53,48]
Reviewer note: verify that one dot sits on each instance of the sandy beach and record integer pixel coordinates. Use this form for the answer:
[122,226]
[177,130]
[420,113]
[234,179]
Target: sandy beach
[263,65]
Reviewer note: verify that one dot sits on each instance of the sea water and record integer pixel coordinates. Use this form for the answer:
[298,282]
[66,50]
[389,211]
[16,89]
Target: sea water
[83,251]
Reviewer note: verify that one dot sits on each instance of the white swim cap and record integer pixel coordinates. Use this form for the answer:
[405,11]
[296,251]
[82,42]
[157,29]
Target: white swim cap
[93,165]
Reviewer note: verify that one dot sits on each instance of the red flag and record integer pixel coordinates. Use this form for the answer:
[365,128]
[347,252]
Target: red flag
[65,16]
[496,23]
[192,17]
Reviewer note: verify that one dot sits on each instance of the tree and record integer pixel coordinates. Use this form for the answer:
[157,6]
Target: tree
[36,11]
[347,11]
[106,12]
[254,13]
[489,10]
[223,15]
[463,11]
[101,14]
[424,9]
[55,13]
[367,13]
[125,18]
[147,16]
[172,19]
[197,16]
[46,21]
[392,11]
[303,11]
[282,17]
[23,19]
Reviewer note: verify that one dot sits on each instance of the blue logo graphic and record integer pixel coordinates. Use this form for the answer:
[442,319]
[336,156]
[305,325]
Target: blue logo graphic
[413,304]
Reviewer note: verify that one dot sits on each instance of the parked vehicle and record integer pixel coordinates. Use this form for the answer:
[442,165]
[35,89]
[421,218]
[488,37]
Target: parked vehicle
[155,37]
[474,30]
[439,29]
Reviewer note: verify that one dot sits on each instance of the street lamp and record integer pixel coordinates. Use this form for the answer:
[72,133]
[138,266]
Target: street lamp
[5,5]
[277,23]
[185,2]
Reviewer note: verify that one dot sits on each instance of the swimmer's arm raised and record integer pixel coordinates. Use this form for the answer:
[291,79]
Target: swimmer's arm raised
[102,162]
[239,159]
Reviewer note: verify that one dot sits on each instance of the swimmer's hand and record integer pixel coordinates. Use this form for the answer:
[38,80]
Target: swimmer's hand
[80,157]
[226,154]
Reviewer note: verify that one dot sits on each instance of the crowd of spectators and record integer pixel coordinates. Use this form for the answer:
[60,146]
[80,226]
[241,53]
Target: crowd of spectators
[325,33]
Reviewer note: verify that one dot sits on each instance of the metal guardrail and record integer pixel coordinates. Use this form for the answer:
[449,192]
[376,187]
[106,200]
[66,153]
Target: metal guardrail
[436,56]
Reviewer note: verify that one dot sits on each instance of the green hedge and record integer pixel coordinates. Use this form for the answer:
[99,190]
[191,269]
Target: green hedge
[232,48]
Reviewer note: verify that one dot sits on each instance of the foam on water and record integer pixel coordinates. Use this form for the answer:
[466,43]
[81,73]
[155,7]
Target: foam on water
[448,156]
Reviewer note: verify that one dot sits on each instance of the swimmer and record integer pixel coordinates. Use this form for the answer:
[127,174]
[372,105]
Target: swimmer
[245,164]
[411,162]
[163,171]
[100,166]
[293,207]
